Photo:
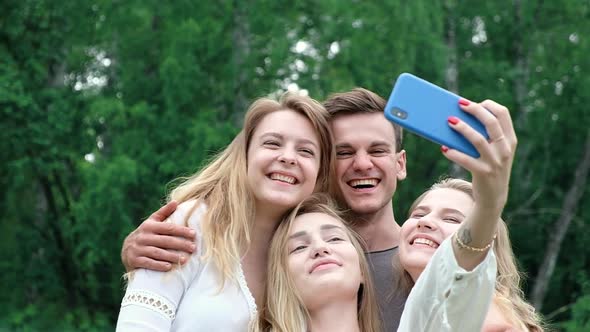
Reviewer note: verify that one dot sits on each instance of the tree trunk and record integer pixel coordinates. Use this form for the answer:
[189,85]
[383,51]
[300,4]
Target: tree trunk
[568,211]
[63,263]
[522,29]
[452,71]
[521,64]
[452,68]
[241,52]
[522,56]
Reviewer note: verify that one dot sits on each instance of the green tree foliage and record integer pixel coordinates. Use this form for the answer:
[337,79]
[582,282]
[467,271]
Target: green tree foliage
[103,104]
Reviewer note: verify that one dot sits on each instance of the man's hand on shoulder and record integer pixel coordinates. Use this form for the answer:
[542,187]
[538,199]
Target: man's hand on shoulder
[155,244]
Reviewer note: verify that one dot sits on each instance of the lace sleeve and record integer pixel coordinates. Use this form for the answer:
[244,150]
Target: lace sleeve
[151,301]
[152,297]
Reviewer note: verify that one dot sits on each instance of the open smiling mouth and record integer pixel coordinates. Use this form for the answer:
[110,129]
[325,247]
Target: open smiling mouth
[363,183]
[426,242]
[283,178]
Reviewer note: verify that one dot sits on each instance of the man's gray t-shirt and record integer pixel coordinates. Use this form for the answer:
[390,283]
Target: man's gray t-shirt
[390,300]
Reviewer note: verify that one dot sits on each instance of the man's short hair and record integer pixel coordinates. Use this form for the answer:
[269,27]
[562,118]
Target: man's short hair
[360,100]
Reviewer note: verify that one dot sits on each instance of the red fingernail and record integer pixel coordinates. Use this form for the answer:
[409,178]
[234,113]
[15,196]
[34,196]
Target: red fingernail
[444,149]
[453,120]
[464,102]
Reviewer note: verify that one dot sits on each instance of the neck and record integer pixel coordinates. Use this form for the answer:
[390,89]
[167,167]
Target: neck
[379,229]
[414,268]
[415,273]
[341,317]
[263,229]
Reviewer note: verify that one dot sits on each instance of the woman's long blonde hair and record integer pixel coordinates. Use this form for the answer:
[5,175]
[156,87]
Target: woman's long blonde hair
[284,310]
[508,296]
[222,184]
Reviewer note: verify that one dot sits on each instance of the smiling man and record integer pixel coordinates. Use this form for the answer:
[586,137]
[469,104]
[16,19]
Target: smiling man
[369,163]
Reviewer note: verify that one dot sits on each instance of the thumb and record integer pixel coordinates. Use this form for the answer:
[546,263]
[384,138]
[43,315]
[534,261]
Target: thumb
[164,212]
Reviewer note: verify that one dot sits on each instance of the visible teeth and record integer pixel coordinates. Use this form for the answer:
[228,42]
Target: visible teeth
[283,178]
[426,242]
[363,182]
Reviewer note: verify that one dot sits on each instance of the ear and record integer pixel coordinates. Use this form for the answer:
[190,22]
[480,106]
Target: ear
[401,165]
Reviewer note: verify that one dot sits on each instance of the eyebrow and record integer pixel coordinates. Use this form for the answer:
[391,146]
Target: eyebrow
[329,226]
[343,145]
[322,227]
[379,143]
[427,209]
[453,211]
[279,136]
[373,144]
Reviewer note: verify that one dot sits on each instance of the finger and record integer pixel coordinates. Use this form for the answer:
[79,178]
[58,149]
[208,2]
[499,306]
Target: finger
[168,228]
[473,136]
[162,255]
[151,264]
[164,212]
[503,115]
[167,242]
[489,121]
[460,158]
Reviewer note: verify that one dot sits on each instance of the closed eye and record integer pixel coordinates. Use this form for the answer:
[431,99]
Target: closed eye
[271,143]
[307,152]
[336,239]
[452,220]
[378,152]
[343,153]
[298,248]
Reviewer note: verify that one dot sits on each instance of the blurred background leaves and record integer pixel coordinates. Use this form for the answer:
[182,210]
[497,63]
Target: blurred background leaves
[104,103]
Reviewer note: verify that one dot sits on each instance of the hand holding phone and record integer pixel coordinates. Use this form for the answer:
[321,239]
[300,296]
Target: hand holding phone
[424,108]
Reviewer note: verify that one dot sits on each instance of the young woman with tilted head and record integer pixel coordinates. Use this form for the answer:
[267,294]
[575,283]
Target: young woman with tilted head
[508,309]
[446,244]
[282,155]
[318,277]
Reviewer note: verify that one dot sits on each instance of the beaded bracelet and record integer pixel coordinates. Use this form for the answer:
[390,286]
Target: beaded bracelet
[470,248]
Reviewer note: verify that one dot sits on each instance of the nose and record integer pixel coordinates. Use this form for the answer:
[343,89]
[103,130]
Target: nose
[362,162]
[320,250]
[426,222]
[288,157]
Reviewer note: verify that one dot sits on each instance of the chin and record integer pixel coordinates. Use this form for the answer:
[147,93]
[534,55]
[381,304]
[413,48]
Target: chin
[274,201]
[361,207]
[338,285]
[416,261]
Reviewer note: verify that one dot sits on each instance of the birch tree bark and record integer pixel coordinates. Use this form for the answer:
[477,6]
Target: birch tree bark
[452,67]
[241,52]
[568,211]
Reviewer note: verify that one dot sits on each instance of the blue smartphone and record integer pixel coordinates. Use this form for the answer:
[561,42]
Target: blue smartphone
[423,108]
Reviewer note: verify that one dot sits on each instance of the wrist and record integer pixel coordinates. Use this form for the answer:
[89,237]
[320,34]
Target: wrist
[461,239]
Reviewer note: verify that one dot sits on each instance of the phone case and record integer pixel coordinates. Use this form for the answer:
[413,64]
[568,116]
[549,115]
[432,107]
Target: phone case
[423,108]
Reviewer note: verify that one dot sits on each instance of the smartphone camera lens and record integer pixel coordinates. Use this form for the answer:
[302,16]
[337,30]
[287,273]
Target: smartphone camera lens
[399,113]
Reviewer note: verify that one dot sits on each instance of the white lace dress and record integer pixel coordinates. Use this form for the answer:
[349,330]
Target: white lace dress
[187,298]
